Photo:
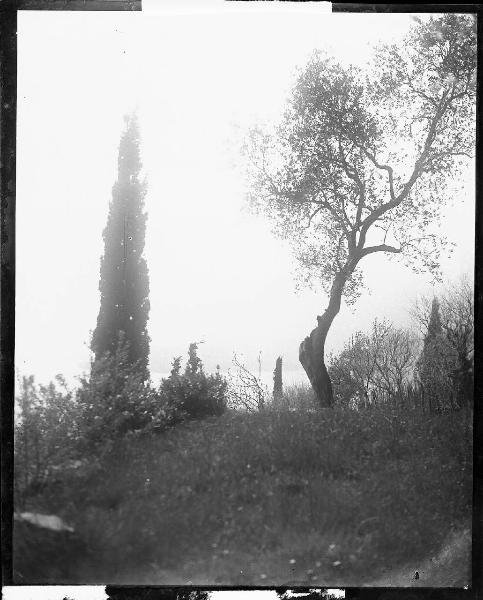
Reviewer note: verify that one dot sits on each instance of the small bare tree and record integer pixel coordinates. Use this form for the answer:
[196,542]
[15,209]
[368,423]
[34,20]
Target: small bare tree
[375,368]
[245,389]
[395,362]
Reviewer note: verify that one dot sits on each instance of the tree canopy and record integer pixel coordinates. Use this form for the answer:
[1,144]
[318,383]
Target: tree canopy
[361,160]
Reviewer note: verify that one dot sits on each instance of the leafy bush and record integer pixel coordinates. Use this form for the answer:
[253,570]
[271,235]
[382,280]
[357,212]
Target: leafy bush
[298,396]
[115,399]
[46,427]
[193,394]
[58,429]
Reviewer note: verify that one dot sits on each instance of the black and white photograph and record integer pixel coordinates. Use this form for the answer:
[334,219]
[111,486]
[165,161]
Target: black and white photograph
[245,257]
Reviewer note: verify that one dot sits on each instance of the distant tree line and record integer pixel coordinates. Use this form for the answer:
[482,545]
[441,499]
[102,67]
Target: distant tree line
[395,365]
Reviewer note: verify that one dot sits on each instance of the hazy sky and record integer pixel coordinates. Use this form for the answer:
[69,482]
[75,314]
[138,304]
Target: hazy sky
[198,80]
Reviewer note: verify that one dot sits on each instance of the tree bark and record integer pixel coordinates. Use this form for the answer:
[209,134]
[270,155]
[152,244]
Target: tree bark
[311,351]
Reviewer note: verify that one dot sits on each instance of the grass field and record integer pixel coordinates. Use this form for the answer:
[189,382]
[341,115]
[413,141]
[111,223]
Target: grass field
[335,497]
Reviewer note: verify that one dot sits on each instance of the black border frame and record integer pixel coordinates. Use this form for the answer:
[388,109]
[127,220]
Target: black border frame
[8,120]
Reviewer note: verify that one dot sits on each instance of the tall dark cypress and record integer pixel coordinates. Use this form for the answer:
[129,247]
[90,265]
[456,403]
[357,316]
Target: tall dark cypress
[124,281]
[277,380]
[435,327]
[431,365]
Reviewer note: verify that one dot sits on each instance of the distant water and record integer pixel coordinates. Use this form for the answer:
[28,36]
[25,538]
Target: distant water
[289,377]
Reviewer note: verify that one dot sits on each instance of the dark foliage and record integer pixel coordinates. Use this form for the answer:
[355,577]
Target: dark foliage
[437,362]
[193,393]
[37,551]
[457,316]
[62,435]
[124,283]
[114,399]
[46,430]
[307,497]
[277,380]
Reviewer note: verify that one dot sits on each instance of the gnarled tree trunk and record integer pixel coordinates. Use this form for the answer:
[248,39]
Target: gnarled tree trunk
[311,351]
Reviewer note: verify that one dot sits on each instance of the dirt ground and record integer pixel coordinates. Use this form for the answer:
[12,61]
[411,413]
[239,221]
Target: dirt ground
[451,567]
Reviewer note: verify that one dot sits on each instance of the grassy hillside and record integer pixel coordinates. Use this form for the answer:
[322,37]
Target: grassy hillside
[269,498]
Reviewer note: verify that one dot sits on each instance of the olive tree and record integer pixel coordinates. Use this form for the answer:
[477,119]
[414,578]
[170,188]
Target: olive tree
[361,164]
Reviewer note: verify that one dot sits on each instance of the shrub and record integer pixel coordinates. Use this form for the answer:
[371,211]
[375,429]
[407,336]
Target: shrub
[46,427]
[193,394]
[374,368]
[115,399]
[298,396]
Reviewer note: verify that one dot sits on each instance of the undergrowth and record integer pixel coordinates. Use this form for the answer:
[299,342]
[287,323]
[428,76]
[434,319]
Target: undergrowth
[270,498]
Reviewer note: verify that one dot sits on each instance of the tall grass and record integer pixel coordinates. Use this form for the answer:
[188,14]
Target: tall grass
[296,396]
[275,497]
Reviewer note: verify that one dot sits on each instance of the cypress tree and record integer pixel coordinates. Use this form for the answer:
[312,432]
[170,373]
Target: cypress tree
[435,327]
[277,380]
[124,282]
[435,363]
